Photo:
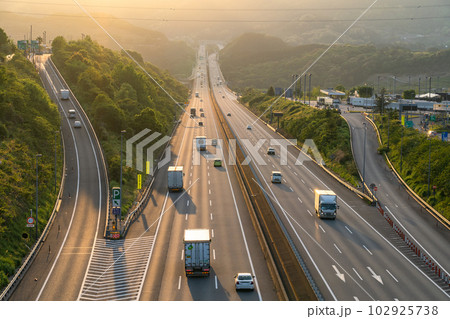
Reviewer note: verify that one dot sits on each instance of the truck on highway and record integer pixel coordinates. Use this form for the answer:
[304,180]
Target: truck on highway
[192,112]
[325,203]
[197,244]
[200,142]
[175,178]
[328,101]
[64,94]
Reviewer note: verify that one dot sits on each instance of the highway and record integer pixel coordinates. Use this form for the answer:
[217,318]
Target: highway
[211,199]
[350,258]
[433,237]
[58,271]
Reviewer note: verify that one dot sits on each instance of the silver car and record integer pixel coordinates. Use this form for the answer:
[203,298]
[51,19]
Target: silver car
[244,280]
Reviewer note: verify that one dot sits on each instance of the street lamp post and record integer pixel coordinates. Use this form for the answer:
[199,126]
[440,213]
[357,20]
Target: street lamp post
[56,136]
[37,194]
[429,164]
[121,142]
[304,90]
[364,158]
[401,150]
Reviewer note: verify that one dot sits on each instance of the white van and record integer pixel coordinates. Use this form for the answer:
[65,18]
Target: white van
[72,114]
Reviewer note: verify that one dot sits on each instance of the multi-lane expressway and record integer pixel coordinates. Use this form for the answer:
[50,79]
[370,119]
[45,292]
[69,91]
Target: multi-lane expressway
[352,257]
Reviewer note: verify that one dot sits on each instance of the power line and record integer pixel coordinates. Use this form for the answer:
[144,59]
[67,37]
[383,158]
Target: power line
[227,20]
[236,9]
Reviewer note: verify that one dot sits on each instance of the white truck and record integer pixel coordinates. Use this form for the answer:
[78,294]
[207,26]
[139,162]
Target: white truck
[175,178]
[64,94]
[197,244]
[325,203]
[200,142]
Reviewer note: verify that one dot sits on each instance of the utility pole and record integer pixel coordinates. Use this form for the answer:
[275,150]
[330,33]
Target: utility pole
[121,142]
[364,159]
[419,86]
[309,92]
[37,195]
[401,150]
[304,94]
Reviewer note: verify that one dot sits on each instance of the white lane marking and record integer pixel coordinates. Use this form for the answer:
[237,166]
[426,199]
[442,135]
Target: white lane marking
[396,205]
[320,226]
[208,173]
[367,250]
[295,173]
[212,233]
[182,254]
[189,192]
[190,174]
[348,230]
[211,216]
[240,225]
[392,275]
[190,182]
[311,190]
[338,249]
[185,218]
[284,180]
[215,280]
[214,254]
[291,189]
[209,191]
[395,299]
[299,200]
[210,203]
[209,182]
[309,212]
[179,283]
[289,167]
[273,166]
[187,203]
[302,181]
[356,298]
[357,274]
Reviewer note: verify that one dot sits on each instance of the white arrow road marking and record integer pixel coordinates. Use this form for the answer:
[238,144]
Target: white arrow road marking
[339,274]
[374,275]
[356,298]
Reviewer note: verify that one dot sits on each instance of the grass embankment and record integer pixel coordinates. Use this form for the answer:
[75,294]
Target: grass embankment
[413,157]
[28,122]
[325,128]
[117,95]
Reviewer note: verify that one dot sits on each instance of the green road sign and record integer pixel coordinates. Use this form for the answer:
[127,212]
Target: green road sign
[116,196]
[409,124]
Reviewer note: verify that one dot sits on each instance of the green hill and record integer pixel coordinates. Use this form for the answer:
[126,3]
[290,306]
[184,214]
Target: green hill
[28,122]
[116,96]
[259,61]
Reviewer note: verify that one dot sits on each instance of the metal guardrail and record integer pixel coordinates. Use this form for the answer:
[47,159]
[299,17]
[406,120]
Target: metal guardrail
[133,215]
[441,219]
[292,276]
[9,290]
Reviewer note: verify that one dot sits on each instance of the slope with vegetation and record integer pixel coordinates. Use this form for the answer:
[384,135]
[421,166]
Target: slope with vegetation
[325,128]
[414,157]
[116,96]
[261,61]
[28,122]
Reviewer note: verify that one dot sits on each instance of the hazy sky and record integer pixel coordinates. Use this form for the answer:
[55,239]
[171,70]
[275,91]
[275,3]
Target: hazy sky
[295,21]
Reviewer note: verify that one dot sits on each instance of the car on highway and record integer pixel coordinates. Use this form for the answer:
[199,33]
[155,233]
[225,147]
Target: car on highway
[223,96]
[201,109]
[77,124]
[270,151]
[244,280]
[275,177]
[217,162]
[214,142]
[249,127]
[72,114]
[202,114]
[200,123]
[228,114]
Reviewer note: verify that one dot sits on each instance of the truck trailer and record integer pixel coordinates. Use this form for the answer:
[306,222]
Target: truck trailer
[197,244]
[175,178]
[325,203]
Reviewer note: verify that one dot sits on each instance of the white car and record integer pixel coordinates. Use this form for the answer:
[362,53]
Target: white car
[249,127]
[244,280]
[77,124]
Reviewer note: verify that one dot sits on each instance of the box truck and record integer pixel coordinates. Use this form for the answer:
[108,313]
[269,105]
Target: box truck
[175,178]
[200,141]
[325,203]
[197,252]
